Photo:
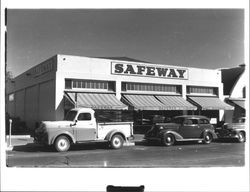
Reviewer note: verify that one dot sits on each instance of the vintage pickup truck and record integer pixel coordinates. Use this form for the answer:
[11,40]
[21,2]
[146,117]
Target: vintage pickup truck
[80,126]
[235,130]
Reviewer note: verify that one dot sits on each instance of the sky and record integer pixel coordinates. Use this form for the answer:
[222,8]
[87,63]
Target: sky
[203,38]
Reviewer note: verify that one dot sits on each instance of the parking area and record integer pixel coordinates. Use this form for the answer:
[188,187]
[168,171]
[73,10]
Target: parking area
[141,154]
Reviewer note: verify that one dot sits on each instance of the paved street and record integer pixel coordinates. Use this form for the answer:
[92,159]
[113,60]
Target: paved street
[217,154]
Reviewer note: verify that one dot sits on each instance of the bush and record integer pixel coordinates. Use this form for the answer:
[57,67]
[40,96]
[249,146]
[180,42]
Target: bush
[18,127]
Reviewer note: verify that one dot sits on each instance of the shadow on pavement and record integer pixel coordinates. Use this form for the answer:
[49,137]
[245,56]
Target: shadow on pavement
[179,143]
[226,140]
[31,147]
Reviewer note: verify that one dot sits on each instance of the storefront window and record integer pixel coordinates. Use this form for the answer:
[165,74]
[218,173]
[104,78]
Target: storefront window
[89,84]
[11,97]
[150,87]
[202,90]
[68,84]
[244,92]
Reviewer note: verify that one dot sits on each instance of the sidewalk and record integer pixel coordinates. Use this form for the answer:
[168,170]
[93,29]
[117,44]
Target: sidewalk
[18,140]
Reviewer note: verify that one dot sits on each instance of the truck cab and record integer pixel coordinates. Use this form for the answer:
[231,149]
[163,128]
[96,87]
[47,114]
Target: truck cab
[84,123]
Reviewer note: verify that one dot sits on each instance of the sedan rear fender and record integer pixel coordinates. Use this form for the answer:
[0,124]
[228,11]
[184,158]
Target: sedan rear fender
[66,133]
[209,131]
[176,135]
[113,132]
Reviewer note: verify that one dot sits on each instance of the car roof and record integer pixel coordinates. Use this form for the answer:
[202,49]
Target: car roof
[193,116]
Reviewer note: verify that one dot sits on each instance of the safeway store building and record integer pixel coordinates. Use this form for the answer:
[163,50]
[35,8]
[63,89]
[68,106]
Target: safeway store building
[119,89]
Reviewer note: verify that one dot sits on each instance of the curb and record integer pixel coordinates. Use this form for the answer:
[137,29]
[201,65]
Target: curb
[8,148]
[129,144]
[18,136]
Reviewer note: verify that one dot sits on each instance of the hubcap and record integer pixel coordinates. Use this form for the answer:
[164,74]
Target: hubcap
[62,144]
[169,139]
[240,136]
[117,142]
[207,137]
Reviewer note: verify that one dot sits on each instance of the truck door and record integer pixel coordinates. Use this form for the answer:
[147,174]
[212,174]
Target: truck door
[85,127]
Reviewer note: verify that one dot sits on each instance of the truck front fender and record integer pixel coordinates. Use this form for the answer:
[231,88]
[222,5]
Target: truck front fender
[176,135]
[66,133]
[113,132]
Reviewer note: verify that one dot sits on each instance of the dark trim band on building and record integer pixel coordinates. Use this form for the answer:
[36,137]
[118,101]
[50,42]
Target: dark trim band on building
[97,101]
[210,103]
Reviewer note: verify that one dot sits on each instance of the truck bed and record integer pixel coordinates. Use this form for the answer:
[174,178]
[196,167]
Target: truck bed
[104,128]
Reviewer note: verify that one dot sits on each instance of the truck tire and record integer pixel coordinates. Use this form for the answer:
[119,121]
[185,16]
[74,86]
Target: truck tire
[168,139]
[241,137]
[62,144]
[207,138]
[116,141]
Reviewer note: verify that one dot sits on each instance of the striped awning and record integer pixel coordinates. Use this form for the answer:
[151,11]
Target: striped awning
[239,102]
[70,96]
[176,103]
[210,103]
[144,102]
[97,101]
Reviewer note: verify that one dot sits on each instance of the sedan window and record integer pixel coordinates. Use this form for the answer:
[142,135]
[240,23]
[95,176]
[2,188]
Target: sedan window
[191,122]
[204,121]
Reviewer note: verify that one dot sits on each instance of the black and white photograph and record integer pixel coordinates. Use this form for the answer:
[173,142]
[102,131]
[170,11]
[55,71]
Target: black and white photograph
[152,98]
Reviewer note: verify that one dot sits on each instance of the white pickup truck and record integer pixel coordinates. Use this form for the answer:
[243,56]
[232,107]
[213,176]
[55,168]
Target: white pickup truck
[80,126]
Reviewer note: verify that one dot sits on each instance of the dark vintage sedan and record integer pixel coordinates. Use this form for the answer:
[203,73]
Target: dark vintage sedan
[182,128]
[235,130]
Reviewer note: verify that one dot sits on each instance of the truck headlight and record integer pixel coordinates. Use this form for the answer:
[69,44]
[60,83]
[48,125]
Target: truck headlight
[161,127]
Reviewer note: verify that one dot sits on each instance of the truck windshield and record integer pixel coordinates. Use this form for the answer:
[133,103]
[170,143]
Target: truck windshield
[70,116]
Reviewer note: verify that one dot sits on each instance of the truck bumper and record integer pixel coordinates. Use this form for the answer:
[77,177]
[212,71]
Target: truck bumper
[129,141]
[130,138]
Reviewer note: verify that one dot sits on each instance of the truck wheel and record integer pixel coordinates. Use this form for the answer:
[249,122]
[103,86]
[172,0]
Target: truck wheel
[168,139]
[241,137]
[207,138]
[116,142]
[62,144]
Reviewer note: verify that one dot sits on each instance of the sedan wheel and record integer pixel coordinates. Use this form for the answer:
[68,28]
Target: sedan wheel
[168,139]
[207,138]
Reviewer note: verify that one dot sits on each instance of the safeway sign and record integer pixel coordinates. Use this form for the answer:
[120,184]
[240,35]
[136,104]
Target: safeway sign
[159,71]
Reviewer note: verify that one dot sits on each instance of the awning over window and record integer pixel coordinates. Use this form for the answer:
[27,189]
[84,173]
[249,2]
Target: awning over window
[97,101]
[144,102]
[210,103]
[176,103]
[240,103]
[70,96]
[69,101]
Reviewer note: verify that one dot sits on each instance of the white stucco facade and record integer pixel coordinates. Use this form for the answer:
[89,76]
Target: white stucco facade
[39,92]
